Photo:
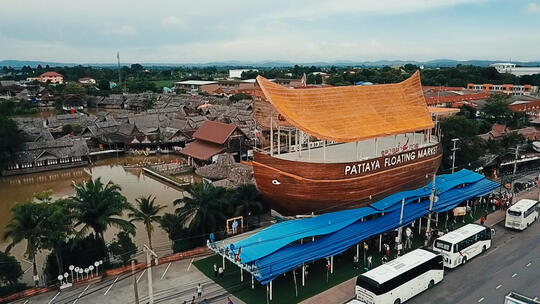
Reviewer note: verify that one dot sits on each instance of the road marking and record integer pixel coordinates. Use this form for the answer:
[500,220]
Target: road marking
[529,264]
[141,275]
[166,269]
[189,266]
[26,301]
[514,275]
[80,295]
[54,298]
[481,299]
[111,285]
[498,286]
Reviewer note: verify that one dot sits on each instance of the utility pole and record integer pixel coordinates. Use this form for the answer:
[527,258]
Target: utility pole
[432,199]
[149,254]
[454,140]
[134,278]
[399,244]
[119,72]
[514,175]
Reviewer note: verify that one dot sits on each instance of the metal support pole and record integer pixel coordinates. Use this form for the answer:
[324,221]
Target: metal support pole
[332,264]
[149,272]
[134,279]
[272,134]
[514,175]
[252,282]
[358,251]
[241,274]
[454,140]
[400,229]
[223,259]
[278,138]
[303,275]
[420,225]
[271,291]
[431,200]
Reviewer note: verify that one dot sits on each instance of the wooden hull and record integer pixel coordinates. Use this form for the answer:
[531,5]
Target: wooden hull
[295,187]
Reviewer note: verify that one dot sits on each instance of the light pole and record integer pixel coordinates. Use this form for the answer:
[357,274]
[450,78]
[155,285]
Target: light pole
[96,263]
[432,198]
[86,271]
[71,267]
[77,272]
[91,267]
[61,279]
[454,140]
[514,175]
[149,254]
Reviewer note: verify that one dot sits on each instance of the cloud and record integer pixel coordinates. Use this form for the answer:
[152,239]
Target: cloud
[124,30]
[173,23]
[532,8]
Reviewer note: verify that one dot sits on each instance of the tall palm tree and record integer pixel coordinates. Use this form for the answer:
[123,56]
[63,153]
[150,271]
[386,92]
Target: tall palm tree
[203,208]
[146,212]
[248,201]
[98,206]
[25,225]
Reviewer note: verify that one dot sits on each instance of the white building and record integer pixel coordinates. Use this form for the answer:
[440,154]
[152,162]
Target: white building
[506,67]
[237,73]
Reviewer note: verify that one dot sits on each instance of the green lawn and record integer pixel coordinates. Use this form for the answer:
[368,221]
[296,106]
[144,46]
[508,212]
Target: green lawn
[283,286]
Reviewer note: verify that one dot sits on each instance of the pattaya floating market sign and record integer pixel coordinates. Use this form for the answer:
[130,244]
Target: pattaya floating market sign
[390,161]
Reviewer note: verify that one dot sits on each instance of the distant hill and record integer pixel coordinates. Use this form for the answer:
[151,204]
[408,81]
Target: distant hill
[277,63]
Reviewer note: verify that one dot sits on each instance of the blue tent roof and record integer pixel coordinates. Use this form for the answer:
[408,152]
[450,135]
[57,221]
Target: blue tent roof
[274,252]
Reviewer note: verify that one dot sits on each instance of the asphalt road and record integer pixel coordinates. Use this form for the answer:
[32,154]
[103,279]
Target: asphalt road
[511,264]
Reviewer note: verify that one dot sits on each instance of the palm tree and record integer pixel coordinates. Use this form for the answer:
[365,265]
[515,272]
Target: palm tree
[146,212]
[98,206]
[25,225]
[248,201]
[202,208]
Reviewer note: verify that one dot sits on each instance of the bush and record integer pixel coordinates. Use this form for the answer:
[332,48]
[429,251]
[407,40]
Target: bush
[182,241]
[81,253]
[123,247]
[240,96]
[11,289]
[10,269]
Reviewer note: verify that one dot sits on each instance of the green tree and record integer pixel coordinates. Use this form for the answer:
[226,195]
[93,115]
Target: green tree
[496,109]
[25,224]
[56,228]
[181,238]
[149,103]
[202,208]
[98,206]
[146,211]
[11,139]
[239,96]
[76,91]
[67,129]
[248,201]
[122,247]
[471,147]
[10,269]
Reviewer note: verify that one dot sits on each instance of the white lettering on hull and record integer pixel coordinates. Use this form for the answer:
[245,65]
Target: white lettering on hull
[390,161]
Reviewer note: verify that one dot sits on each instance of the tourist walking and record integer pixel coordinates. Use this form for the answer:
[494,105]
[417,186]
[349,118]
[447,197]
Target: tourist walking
[199,291]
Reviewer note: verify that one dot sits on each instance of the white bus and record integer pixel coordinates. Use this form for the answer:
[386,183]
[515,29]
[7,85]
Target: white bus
[522,214]
[400,279]
[463,244]
[516,298]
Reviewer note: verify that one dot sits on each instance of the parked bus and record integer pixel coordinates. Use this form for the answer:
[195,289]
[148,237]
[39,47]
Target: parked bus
[516,298]
[400,279]
[522,214]
[463,244]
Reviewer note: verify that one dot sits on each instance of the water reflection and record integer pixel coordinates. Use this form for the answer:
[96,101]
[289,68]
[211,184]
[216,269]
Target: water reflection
[133,182]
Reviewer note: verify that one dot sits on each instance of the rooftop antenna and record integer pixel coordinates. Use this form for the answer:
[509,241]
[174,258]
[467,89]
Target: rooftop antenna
[119,72]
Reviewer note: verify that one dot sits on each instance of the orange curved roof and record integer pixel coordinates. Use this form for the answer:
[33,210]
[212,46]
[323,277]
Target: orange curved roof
[352,113]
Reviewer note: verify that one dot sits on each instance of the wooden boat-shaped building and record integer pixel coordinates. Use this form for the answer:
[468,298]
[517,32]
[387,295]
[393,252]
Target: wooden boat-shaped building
[335,148]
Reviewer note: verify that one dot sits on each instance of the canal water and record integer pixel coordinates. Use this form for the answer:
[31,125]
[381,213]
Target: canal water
[133,182]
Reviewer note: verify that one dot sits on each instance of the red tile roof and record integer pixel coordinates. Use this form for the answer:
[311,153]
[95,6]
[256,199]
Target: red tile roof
[201,150]
[214,132]
[51,74]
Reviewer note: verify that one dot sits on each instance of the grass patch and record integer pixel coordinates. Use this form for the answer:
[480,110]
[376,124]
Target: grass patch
[283,286]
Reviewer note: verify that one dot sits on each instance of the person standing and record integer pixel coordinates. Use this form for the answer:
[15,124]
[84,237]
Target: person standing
[215,270]
[355,262]
[229,301]
[199,291]
[220,272]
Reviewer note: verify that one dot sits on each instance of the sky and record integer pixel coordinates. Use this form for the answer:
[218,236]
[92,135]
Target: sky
[181,31]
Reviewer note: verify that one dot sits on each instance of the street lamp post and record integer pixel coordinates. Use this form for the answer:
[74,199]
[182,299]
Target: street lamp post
[81,272]
[71,267]
[86,271]
[61,279]
[77,272]
[96,263]
[514,175]
[91,267]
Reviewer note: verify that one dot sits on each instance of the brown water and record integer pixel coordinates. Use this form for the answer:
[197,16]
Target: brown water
[134,184]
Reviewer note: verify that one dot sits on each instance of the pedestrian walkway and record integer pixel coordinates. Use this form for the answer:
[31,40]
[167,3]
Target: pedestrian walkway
[338,294]
[494,218]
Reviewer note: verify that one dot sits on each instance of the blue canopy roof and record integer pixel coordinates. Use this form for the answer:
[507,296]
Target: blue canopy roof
[274,252]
